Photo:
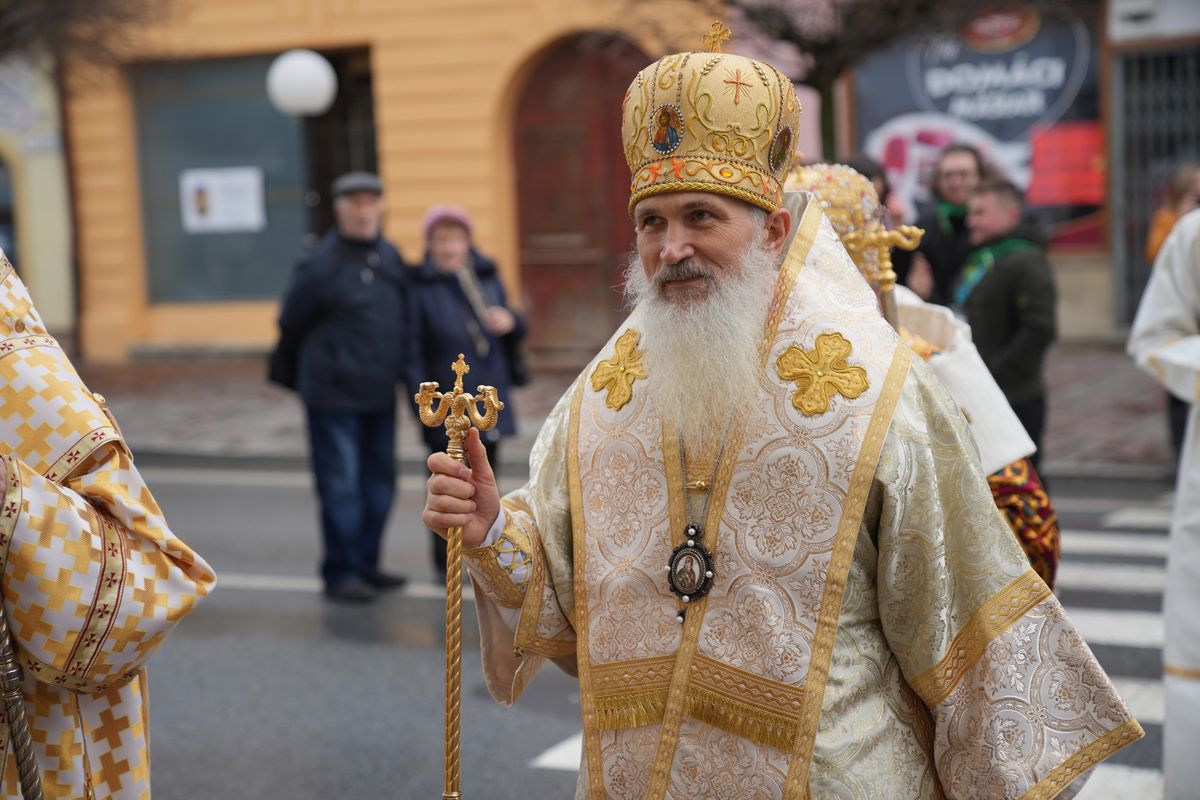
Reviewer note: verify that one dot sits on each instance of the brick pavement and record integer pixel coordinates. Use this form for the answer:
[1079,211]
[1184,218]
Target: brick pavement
[1105,418]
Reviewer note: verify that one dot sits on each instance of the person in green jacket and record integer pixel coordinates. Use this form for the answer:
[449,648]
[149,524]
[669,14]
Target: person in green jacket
[1006,293]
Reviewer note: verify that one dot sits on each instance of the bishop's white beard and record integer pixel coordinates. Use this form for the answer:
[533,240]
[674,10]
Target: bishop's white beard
[702,359]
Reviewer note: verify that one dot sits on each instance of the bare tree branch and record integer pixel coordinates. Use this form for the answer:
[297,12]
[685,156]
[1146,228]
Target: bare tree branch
[90,30]
[834,35]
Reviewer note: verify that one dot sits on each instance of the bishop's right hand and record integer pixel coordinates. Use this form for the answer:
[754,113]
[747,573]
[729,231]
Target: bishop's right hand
[459,496]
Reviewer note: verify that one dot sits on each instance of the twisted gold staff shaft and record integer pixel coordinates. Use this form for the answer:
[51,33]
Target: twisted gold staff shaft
[12,697]
[457,410]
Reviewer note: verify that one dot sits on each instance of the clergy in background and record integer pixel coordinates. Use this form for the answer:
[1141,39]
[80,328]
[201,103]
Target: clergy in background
[944,341]
[93,577]
[1166,343]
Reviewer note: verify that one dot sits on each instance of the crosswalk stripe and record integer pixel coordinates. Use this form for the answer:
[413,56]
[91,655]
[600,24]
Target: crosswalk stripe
[256,478]
[1146,698]
[564,756]
[269,583]
[1078,542]
[1136,578]
[1064,504]
[1116,782]
[1121,628]
[1138,518]
[311,585]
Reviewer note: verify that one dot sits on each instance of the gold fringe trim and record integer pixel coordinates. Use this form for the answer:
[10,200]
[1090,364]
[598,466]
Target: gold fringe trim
[638,709]
[760,727]
[631,710]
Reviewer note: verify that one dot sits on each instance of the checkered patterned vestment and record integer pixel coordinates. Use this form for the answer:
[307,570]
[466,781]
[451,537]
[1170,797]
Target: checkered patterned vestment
[93,578]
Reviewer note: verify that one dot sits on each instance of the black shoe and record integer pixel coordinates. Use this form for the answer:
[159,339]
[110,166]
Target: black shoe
[352,591]
[385,581]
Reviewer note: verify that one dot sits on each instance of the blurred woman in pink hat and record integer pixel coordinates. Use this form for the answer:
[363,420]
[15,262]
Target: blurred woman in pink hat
[458,305]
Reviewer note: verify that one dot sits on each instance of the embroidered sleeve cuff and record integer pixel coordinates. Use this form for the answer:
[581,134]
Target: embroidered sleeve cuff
[497,528]
[503,565]
[64,640]
[10,505]
[1029,690]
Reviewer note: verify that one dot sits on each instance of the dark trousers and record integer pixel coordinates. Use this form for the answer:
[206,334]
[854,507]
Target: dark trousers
[439,544]
[1032,414]
[354,463]
[1177,416]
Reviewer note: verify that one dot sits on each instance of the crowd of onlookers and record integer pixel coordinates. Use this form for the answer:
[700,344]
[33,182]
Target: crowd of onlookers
[356,322]
[983,256]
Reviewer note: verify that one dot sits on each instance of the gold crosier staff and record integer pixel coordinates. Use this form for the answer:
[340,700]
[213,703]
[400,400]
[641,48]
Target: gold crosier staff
[906,237]
[458,411]
[13,701]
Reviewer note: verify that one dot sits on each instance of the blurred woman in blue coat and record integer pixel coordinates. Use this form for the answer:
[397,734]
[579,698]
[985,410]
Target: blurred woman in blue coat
[458,305]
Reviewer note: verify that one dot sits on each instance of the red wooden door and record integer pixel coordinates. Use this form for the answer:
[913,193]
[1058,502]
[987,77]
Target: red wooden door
[573,189]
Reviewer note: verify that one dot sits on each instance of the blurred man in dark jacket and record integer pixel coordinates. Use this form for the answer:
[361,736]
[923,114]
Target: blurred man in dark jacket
[344,323]
[1006,293]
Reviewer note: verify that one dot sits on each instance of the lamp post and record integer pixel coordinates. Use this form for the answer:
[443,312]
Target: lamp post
[301,83]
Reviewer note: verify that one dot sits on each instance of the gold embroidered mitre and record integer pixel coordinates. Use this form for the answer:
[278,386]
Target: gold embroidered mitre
[710,122]
[849,200]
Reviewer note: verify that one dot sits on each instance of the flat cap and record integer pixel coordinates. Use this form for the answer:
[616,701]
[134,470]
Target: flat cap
[353,182]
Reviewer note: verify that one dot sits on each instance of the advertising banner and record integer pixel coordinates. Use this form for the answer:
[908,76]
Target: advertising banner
[1021,87]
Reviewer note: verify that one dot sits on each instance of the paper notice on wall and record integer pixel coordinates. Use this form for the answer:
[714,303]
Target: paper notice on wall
[222,200]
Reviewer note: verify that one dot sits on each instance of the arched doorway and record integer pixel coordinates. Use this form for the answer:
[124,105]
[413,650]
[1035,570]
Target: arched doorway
[572,190]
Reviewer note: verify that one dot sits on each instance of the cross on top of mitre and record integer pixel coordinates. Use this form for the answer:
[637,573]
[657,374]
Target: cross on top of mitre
[717,36]
[459,368]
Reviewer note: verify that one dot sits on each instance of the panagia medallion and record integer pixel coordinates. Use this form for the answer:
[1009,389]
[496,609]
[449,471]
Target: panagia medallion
[690,570]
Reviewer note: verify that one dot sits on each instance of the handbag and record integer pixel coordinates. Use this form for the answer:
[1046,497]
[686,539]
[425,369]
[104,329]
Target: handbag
[281,365]
[518,362]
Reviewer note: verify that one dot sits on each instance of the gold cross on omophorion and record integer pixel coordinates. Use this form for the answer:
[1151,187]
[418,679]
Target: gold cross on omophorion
[716,36]
[459,368]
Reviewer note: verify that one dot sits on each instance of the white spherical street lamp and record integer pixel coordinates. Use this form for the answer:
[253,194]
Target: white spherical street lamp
[301,83]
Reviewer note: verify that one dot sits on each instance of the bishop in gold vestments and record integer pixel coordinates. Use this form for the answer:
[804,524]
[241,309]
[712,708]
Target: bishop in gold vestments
[93,578]
[866,625]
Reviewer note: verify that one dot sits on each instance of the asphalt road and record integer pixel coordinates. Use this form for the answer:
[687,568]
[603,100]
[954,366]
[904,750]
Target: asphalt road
[268,691]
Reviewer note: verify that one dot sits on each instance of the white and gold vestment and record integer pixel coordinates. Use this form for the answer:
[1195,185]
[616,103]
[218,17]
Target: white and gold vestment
[1165,340]
[874,629]
[93,578]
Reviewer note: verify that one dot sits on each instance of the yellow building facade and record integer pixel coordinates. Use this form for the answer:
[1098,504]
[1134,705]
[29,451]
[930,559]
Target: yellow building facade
[447,76]
[36,215]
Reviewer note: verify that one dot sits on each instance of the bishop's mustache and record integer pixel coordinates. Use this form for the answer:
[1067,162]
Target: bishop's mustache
[681,271]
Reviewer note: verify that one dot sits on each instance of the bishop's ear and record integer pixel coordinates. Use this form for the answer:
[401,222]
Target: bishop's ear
[778,225]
